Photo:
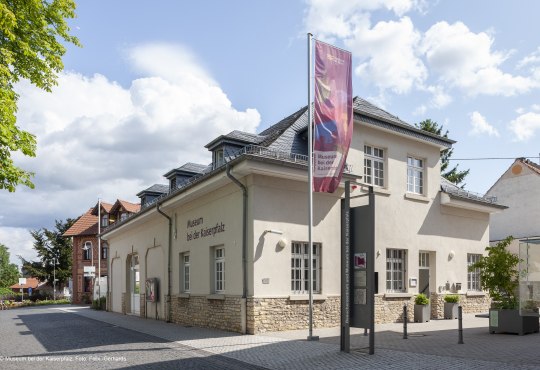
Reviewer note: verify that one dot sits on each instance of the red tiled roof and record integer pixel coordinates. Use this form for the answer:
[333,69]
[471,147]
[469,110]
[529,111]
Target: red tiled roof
[87,224]
[128,206]
[531,165]
[30,283]
[106,207]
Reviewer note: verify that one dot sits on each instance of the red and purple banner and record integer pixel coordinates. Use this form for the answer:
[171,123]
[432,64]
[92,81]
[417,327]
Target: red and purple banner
[333,116]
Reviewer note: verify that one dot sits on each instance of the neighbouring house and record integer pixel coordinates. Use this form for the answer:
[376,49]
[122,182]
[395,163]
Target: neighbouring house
[35,285]
[226,245]
[89,251]
[519,189]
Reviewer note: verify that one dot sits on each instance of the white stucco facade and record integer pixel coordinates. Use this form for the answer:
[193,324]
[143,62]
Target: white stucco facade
[250,287]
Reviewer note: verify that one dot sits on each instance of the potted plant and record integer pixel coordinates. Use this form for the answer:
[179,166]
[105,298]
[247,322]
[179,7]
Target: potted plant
[421,308]
[451,302]
[499,275]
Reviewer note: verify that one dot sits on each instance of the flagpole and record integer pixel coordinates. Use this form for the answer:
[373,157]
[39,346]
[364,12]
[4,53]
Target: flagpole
[99,248]
[310,190]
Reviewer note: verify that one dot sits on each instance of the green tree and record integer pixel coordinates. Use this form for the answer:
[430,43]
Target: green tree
[9,273]
[31,32]
[51,245]
[499,274]
[453,175]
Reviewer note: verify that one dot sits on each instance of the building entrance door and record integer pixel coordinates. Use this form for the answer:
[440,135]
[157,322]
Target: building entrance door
[423,273]
[135,286]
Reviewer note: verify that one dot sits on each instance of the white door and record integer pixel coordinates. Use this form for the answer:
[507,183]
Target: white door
[135,285]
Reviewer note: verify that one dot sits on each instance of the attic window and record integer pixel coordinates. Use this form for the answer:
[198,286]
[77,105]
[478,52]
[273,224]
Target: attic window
[173,183]
[219,158]
[105,220]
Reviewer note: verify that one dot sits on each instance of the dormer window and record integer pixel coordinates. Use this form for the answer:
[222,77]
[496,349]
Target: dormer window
[105,220]
[123,216]
[173,183]
[219,158]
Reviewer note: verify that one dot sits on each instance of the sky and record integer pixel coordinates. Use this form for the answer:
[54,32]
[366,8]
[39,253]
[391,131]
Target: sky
[156,81]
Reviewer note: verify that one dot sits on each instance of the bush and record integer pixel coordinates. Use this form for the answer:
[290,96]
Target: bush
[451,298]
[99,304]
[421,299]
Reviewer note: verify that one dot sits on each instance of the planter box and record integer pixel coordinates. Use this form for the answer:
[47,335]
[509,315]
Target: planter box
[422,313]
[451,310]
[509,321]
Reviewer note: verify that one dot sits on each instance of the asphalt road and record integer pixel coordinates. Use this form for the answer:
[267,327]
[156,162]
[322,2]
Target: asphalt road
[47,338]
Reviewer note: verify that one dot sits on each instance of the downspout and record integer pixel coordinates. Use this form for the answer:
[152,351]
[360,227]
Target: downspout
[244,245]
[168,298]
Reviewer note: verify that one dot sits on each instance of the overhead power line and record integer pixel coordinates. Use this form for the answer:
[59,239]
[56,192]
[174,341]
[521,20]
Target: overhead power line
[489,158]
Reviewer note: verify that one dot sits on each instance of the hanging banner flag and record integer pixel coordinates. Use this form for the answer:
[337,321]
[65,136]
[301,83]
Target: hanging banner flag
[333,119]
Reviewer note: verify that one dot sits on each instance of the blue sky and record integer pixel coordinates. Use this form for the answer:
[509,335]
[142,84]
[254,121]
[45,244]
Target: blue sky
[156,81]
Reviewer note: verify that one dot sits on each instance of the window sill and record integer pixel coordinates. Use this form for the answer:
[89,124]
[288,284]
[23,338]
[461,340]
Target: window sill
[417,197]
[183,295]
[219,297]
[475,294]
[305,297]
[398,295]
[376,190]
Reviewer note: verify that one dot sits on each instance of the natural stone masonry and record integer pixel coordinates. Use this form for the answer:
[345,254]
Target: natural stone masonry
[277,314]
[142,305]
[201,311]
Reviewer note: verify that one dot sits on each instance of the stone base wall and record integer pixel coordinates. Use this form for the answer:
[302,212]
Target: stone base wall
[276,314]
[390,309]
[124,308]
[142,305]
[200,311]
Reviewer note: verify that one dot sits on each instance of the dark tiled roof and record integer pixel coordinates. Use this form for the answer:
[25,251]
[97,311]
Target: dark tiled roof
[193,167]
[237,136]
[455,191]
[155,189]
[85,225]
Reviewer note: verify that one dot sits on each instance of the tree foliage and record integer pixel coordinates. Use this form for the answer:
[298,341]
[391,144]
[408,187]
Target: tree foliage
[50,244]
[453,175]
[9,273]
[499,274]
[31,32]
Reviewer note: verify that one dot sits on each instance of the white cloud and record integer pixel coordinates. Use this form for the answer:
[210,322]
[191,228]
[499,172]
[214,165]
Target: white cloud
[19,243]
[388,54]
[525,126]
[465,59]
[520,110]
[98,139]
[535,107]
[533,58]
[480,126]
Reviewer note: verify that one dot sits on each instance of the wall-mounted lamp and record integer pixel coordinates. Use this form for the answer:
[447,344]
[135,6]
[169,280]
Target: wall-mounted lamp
[282,243]
[451,255]
[378,252]
[279,232]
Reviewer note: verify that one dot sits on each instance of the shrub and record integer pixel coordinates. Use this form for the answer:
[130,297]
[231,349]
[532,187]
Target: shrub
[421,299]
[99,304]
[451,298]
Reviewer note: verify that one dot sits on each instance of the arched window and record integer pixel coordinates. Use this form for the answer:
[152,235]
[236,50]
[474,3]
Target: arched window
[87,250]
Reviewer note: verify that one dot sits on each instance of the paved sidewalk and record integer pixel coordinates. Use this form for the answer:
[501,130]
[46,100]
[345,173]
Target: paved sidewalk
[430,345]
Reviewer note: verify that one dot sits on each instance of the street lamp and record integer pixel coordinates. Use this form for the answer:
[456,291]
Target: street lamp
[55,262]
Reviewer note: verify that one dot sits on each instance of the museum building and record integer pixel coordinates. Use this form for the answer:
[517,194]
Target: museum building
[225,246]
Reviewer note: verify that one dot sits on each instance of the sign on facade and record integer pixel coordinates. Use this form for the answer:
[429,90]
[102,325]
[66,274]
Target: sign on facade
[22,281]
[89,271]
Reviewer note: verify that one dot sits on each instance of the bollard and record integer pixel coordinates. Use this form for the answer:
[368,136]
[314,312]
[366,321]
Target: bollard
[405,319]
[460,324]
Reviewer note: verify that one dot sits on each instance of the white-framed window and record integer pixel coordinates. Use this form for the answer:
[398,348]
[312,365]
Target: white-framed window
[123,216]
[395,270]
[105,220]
[185,271]
[104,251]
[373,166]
[219,158]
[300,268]
[423,259]
[87,250]
[415,175]
[473,277]
[219,269]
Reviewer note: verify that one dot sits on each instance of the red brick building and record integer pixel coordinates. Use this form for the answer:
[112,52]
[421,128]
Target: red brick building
[86,252]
